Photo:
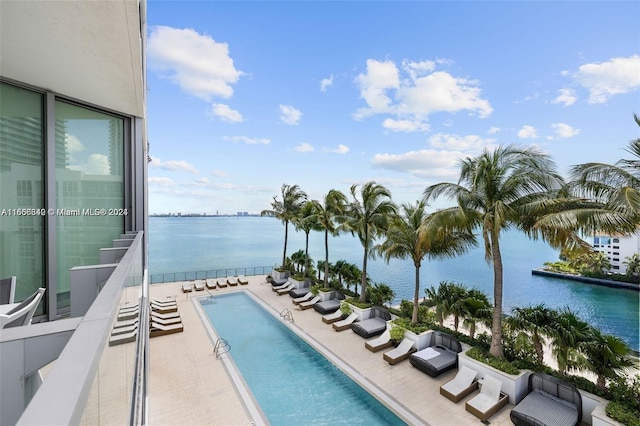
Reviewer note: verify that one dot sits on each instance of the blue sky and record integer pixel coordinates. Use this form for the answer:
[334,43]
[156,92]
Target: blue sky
[246,96]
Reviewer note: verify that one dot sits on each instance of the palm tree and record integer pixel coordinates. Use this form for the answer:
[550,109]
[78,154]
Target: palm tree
[414,234]
[605,355]
[633,265]
[440,299]
[329,215]
[340,269]
[286,210]
[497,190]
[476,308]
[297,259]
[306,221]
[351,274]
[567,333]
[535,322]
[368,219]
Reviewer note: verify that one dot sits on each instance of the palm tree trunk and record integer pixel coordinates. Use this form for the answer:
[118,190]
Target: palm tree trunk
[537,344]
[363,282]
[286,235]
[326,258]
[496,324]
[472,329]
[601,382]
[414,314]
[306,256]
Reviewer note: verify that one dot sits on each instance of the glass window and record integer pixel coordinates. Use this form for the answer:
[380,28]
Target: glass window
[21,169]
[90,173]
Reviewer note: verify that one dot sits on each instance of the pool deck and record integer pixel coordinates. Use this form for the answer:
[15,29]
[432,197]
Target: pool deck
[188,385]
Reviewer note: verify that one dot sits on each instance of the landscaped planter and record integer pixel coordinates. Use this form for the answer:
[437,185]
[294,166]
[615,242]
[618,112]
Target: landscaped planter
[324,295]
[363,313]
[280,277]
[516,387]
[593,410]
[299,283]
[421,340]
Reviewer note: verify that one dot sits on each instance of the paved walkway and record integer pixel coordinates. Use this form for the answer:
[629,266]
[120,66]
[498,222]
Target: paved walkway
[188,385]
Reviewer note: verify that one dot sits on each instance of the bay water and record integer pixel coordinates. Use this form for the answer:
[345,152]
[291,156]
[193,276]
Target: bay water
[190,244]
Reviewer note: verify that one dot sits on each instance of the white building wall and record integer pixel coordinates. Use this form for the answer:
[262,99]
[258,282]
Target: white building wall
[617,248]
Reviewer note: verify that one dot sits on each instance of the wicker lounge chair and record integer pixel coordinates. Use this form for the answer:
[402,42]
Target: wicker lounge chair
[441,355]
[331,305]
[402,352]
[550,402]
[489,401]
[332,317]
[242,280]
[299,292]
[198,285]
[345,323]
[211,284]
[232,281]
[379,343]
[309,303]
[301,299]
[376,323]
[460,386]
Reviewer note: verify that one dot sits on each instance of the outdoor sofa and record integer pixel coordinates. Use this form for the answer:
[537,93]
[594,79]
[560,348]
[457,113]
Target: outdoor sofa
[550,402]
[441,354]
[376,323]
[331,305]
[301,291]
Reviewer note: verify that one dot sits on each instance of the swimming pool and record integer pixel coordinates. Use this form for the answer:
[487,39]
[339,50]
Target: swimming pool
[290,380]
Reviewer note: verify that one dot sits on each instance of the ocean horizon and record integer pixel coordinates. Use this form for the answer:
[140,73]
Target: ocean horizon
[190,244]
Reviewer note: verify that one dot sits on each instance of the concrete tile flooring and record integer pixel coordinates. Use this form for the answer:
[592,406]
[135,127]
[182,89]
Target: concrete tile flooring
[188,385]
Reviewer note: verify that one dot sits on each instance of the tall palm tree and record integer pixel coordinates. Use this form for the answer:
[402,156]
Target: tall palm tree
[414,234]
[368,219]
[497,190]
[307,221]
[329,215]
[567,333]
[286,210]
[534,321]
[605,355]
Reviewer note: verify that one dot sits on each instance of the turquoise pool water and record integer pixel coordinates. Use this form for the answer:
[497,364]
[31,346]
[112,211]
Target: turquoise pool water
[291,381]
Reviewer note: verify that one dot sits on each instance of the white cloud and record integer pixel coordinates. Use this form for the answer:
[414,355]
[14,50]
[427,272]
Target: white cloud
[341,149]
[197,63]
[425,163]
[326,82]
[172,165]
[460,143]
[161,181]
[289,114]
[219,173]
[605,79]
[225,113]
[493,130]
[414,125]
[420,93]
[304,147]
[528,132]
[248,140]
[566,97]
[73,144]
[98,164]
[564,130]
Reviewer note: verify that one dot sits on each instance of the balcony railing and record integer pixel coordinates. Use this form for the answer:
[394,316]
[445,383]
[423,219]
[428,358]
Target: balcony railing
[211,273]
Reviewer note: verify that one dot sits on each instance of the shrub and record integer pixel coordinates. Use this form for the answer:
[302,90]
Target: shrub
[623,413]
[345,308]
[497,363]
[397,333]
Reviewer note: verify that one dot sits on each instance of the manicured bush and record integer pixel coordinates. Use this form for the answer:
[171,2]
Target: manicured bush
[497,363]
[623,413]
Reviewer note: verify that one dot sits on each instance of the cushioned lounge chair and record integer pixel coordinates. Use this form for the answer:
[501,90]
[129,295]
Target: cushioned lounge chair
[550,401]
[221,282]
[186,287]
[232,281]
[376,323]
[489,401]
[402,352]
[161,330]
[281,286]
[284,290]
[331,305]
[211,284]
[299,292]
[441,354]
[22,314]
[134,314]
[198,285]
[345,323]
[333,317]
[309,303]
[165,301]
[170,305]
[460,386]
[379,343]
[242,280]
[301,299]
[123,338]
[126,324]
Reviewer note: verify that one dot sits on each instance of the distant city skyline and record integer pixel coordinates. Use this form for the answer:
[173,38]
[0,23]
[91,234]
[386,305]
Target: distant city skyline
[246,96]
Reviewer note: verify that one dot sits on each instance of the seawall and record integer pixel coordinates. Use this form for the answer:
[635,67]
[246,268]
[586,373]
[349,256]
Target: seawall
[587,280]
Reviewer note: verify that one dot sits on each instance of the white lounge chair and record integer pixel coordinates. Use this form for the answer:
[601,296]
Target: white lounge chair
[198,285]
[211,284]
[345,323]
[283,285]
[301,299]
[309,303]
[460,386]
[402,352]
[232,281]
[381,342]
[22,313]
[332,317]
[186,287]
[242,280]
[285,289]
[489,400]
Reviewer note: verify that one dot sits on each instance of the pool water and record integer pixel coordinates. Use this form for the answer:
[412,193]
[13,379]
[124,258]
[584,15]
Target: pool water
[290,380]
